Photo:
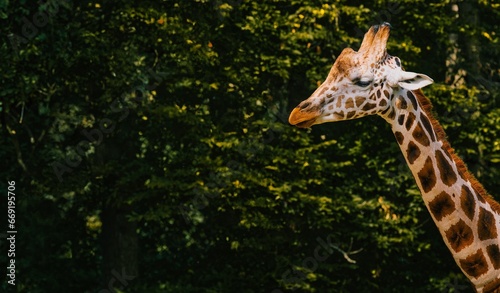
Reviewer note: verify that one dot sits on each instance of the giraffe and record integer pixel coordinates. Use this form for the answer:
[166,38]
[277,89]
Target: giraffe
[371,82]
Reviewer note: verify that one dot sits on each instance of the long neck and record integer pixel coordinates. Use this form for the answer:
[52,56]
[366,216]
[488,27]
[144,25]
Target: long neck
[467,217]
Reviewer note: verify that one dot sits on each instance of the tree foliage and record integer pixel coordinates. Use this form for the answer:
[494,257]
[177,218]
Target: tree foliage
[150,140]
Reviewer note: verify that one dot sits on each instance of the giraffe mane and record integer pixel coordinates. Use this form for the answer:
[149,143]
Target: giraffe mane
[426,105]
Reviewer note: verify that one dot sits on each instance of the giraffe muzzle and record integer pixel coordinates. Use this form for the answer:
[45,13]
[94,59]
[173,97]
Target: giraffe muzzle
[303,119]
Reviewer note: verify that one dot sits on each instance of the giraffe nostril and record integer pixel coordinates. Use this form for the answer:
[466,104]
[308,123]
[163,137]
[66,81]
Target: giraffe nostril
[304,105]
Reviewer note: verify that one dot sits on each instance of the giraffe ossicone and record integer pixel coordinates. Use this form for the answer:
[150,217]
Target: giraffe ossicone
[371,82]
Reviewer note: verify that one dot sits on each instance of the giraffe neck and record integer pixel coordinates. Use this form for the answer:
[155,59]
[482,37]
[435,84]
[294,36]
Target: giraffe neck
[466,216]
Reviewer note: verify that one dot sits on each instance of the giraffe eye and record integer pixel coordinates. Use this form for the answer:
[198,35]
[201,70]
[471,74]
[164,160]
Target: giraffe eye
[362,83]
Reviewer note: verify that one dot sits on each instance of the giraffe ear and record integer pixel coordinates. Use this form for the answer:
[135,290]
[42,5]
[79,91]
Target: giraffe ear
[414,81]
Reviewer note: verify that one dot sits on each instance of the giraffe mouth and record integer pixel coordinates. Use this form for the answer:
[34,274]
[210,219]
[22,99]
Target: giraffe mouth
[302,119]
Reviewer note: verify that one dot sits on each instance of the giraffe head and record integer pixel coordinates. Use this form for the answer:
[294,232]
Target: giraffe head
[359,84]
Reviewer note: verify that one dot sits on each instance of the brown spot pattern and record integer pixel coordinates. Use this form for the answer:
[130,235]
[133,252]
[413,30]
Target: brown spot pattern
[399,137]
[459,236]
[412,99]
[359,101]
[480,197]
[467,202]
[413,152]
[403,104]
[446,172]
[369,106]
[492,286]
[401,119]
[410,120]
[339,101]
[392,114]
[486,228]
[427,176]
[349,103]
[322,91]
[427,125]
[339,115]
[442,205]
[493,252]
[475,265]
[420,135]
[383,103]
[322,103]
[350,114]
